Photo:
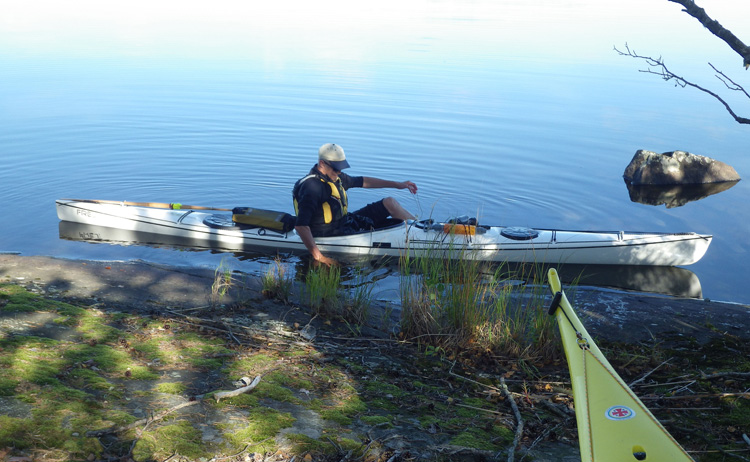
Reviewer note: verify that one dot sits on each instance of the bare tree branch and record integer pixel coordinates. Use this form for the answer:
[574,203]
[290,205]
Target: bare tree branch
[657,67]
[717,29]
[724,78]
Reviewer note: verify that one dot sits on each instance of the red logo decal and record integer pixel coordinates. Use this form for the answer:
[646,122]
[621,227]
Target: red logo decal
[620,413]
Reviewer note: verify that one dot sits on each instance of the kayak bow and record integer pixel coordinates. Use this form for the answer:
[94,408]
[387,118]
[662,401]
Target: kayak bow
[613,424]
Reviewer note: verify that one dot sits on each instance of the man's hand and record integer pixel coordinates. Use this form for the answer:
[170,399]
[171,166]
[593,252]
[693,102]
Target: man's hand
[410,185]
[326,261]
[307,238]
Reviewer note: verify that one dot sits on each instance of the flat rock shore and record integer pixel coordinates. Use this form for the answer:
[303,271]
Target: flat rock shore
[612,315]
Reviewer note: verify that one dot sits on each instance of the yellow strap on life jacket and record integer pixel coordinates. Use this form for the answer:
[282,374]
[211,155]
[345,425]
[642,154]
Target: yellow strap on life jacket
[327,212]
[342,201]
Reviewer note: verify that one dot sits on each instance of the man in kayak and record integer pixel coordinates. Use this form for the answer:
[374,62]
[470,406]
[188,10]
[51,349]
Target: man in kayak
[320,201]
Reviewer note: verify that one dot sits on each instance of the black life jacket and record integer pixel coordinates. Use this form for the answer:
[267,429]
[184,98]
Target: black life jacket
[334,202]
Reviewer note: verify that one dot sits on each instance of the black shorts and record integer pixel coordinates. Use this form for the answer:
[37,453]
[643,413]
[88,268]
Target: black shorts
[376,212]
[370,216]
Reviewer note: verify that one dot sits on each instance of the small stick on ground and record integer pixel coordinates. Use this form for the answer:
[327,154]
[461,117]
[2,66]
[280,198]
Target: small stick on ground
[519,420]
[145,422]
[228,394]
[649,373]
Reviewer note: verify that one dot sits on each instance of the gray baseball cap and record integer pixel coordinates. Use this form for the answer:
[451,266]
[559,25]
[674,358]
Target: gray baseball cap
[334,155]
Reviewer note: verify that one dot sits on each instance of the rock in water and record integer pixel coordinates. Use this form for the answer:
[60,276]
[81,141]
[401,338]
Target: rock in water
[676,167]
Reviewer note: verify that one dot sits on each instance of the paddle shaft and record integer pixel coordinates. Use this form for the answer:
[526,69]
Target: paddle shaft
[158,205]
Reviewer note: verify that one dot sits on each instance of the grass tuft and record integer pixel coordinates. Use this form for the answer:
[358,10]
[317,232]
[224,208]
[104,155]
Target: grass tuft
[277,282]
[451,301]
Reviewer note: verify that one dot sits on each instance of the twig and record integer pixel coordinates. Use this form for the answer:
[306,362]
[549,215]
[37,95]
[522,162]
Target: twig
[556,409]
[201,325]
[725,374]
[228,394]
[362,339]
[145,422]
[648,373]
[395,456]
[474,381]
[231,334]
[519,420]
[705,395]
[667,75]
[490,411]
[723,77]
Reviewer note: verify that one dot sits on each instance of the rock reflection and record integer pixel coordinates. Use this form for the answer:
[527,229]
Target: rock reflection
[675,195]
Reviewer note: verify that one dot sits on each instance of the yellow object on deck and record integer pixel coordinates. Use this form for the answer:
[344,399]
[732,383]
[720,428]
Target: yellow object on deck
[613,424]
[467,230]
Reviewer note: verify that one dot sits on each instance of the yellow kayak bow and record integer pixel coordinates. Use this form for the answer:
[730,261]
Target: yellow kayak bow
[613,424]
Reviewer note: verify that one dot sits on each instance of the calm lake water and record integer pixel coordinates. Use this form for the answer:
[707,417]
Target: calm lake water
[519,113]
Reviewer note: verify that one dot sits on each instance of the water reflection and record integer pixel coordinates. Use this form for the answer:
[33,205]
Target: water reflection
[665,280]
[104,235]
[675,195]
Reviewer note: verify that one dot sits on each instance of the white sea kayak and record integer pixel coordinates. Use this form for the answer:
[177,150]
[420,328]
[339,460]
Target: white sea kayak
[203,227]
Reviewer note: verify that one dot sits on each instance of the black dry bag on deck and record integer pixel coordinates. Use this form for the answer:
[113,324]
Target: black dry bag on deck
[281,222]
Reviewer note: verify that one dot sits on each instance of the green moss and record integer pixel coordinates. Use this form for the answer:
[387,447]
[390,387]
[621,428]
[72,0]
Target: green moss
[343,412]
[739,413]
[138,372]
[426,420]
[18,299]
[263,423]
[172,388]
[92,325]
[69,314]
[476,438]
[382,403]
[49,428]
[304,444]
[87,379]
[7,386]
[383,389]
[336,415]
[110,360]
[150,349]
[249,365]
[271,390]
[13,432]
[177,438]
[33,359]
[289,380]
[194,349]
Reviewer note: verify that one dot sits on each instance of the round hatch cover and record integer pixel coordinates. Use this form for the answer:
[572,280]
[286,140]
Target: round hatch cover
[518,233]
[221,222]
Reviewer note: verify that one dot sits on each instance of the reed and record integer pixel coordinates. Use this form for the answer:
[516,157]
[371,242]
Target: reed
[322,289]
[327,295]
[277,282]
[358,299]
[453,301]
[223,282]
